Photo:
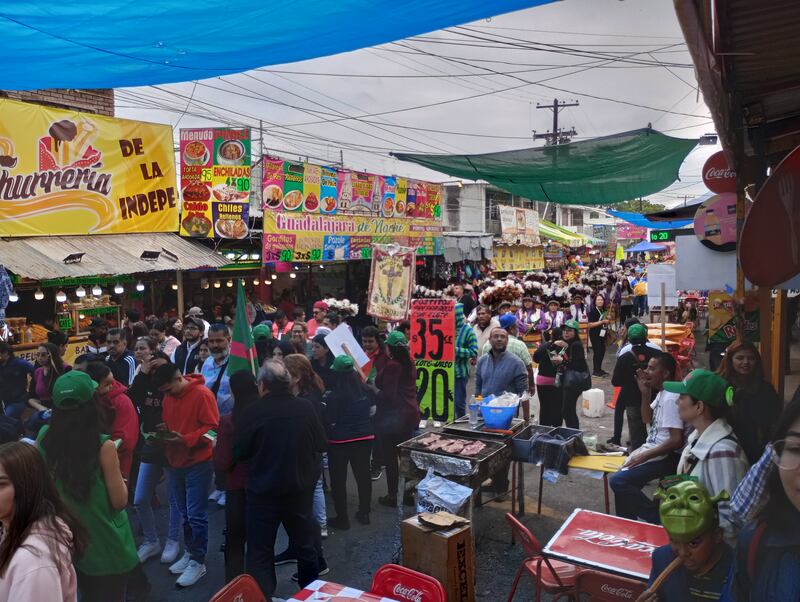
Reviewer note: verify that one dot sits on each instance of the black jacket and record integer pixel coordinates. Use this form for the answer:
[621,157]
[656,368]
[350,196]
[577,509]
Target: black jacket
[347,416]
[542,357]
[148,401]
[186,360]
[625,374]
[281,438]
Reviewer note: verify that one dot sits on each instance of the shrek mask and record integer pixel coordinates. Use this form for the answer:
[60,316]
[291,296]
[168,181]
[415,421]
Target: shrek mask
[687,510]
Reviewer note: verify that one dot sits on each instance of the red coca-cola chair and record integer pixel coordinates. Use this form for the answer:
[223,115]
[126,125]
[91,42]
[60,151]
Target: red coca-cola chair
[401,583]
[242,589]
[605,587]
[553,576]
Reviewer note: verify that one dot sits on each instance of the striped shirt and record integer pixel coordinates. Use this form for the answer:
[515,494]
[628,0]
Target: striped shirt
[466,349]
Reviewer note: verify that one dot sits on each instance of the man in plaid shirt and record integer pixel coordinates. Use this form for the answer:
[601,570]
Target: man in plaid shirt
[466,350]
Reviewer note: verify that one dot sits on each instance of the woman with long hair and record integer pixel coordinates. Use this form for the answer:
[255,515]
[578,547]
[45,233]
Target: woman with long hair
[307,383]
[397,410]
[347,423]
[768,551]
[203,353]
[148,400]
[756,405]
[40,536]
[86,471]
[598,327]
[245,392]
[626,300]
[571,358]
[49,366]
[322,359]
[549,395]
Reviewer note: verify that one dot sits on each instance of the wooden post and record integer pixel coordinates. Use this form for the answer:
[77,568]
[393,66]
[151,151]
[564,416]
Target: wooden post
[779,323]
[663,316]
[179,281]
[765,327]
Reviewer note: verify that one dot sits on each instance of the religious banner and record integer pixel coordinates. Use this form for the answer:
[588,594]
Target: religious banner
[391,282]
[63,172]
[519,226]
[433,350]
[215,182]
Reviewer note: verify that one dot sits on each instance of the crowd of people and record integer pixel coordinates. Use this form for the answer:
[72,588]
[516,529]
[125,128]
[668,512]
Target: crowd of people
[154,399]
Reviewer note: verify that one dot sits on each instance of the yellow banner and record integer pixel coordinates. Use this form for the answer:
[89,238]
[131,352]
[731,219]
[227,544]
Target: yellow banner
[517,258]
[66,172]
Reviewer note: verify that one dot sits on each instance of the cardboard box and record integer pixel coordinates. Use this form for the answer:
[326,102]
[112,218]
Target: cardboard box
[446,555]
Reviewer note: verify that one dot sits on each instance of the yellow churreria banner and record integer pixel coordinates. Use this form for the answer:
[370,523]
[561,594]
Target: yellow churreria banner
[66,172]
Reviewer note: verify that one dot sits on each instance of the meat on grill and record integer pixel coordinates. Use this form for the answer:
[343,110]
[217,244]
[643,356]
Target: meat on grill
[464,447]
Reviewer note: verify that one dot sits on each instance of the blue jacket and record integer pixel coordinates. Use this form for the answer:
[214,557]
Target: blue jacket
[494,376]
[14,380]
[776,575]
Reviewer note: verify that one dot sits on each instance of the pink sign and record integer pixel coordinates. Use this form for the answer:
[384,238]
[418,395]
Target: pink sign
[629,231]
[610,543]
[715,222]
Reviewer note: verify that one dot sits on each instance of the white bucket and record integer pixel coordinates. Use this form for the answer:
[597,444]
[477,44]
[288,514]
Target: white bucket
[593,403]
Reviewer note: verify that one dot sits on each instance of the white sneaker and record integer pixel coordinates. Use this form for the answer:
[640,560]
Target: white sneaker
[214,495]
[324,532]
[192,574]
[221,500]
[171,550]
[148,550]
[180,566]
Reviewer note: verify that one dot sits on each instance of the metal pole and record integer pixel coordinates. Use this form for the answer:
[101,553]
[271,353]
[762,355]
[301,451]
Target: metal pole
[663,315]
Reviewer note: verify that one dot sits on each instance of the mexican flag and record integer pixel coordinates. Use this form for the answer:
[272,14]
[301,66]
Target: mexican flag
[243,351]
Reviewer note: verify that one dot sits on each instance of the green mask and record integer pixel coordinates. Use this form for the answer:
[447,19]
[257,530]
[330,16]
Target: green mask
[687,510]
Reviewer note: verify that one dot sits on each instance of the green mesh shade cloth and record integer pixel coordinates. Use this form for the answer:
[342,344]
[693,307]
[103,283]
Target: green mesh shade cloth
[600,171]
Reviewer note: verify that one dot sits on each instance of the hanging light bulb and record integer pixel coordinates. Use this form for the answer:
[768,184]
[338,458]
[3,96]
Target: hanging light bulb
[140,286]
[256,282]
[13,297]
[297,267]
[230,255]
[38,295]
[274,276]
[80,292]
[292,275]
[255,256]
[204,283]
[217,284]
[174,286]
[268,282]
[96,290]
[118,289]
[61,296]
[321,267]
[229,284]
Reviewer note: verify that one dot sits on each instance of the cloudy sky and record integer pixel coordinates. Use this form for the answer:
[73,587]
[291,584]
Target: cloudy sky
[470,89]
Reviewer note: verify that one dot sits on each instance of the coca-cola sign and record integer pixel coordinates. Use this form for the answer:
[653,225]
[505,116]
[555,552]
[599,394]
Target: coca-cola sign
[619,592]
[717,175]
[407,593]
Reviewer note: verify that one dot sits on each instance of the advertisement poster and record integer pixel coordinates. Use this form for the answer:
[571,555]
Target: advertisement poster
[517,258]
[215,182]
[66,172]
[433,350]
[518,225]
[631,232]
[391,282]
[722,318]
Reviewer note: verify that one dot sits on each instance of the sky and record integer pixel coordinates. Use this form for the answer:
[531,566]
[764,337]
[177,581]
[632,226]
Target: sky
[462,90]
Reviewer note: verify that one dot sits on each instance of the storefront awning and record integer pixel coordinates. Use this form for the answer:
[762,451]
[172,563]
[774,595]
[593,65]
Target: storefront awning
[646,247]
[548,230]
[600,171]
[43,257]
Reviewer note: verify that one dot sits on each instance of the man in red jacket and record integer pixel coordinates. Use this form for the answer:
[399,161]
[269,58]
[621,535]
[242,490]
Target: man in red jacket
[190,417]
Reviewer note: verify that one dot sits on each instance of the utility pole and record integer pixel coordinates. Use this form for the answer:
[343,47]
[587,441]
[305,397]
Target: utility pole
[556,136]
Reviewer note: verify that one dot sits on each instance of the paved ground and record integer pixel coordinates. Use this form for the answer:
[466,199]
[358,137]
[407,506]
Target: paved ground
[354,555]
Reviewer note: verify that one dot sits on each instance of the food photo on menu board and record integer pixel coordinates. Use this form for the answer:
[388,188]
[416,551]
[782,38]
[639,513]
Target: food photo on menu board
[215,182]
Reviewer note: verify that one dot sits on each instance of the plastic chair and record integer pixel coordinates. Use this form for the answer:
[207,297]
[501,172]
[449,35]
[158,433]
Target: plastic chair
[605,587]
[391,577]
[242,589]
[684,357]
[555,578]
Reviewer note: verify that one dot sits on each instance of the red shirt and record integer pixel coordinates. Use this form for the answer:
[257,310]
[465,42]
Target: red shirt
[124,427]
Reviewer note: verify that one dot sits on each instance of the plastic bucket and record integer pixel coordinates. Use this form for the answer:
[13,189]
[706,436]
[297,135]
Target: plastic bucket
[593,403]
[498,417]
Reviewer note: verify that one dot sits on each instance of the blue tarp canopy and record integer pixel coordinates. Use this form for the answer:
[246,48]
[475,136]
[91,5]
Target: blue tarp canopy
[646,247]
[638,219]
[117,43]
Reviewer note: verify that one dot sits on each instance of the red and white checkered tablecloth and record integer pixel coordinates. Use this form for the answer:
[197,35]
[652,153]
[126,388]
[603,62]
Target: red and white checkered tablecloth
[325,591]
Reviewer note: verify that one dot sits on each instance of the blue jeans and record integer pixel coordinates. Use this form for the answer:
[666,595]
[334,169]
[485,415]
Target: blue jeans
[149,474]
[460,395]
[189,486]
[629,500]
[319,510]
[14,410]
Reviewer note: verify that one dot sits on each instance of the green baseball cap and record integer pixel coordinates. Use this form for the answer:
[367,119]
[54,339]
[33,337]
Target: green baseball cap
[573,324]
[262,332]
[704,386]
[343,363]
[73,389]
[397,339]
[637,333]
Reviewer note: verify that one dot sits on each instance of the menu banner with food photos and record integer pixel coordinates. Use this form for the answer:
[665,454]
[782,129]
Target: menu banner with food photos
[303,187]
[64,172]
[215,182]
[303,237]
[517,258]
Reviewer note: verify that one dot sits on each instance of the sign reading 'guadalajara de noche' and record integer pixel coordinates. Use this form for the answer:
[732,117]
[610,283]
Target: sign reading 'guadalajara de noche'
[65,172]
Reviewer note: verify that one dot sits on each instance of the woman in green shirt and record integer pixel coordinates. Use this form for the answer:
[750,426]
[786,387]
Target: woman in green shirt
[85,467]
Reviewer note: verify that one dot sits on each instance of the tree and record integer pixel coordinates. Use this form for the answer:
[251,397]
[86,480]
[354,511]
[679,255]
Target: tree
[637,206]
